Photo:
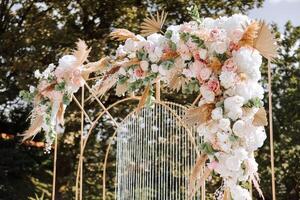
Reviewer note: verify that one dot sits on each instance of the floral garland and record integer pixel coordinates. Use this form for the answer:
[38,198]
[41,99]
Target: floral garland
[218,58]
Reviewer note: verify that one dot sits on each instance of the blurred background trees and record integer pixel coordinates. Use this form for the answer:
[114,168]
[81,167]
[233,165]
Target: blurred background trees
[34,33]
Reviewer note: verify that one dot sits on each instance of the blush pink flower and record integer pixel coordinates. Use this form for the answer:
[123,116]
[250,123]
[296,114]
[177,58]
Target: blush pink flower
[76,78]
[204,74]
[138,72]
[196,68]
[213,85]
[213,165]
[229,65]
[214,34]
[233,46]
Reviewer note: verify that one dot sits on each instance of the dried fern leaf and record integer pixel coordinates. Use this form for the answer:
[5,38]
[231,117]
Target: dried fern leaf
[260,117]
[34,128]
[250,34]
[91,67]
[105,85]
[153,24]
[82,52]
[175,80]
[198,115]
[121,34]
[143,99]
[265,42]
[196,171]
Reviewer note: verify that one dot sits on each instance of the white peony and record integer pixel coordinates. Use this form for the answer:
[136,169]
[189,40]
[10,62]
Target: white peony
[208,23]
[224,124]
[130,45]
[156,39]
[234,24]
[239,193]
[238,128]
[67,61]
[249,90]
[248,61]
[217,113]
[227,79]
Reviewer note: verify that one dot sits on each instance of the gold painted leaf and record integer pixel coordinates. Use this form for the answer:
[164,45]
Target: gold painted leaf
[153,24]
[260,118]
[265,42]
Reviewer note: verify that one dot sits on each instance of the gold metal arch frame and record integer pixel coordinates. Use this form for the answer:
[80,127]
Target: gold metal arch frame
[83,140]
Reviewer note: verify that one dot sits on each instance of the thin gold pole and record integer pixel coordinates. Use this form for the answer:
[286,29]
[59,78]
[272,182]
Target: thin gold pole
[54,169]
[157,90]
[81,141]
[271,131]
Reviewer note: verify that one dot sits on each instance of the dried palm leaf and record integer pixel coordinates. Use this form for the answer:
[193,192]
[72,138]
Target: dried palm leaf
[153,24]
[260,117]
[196,171]
[169,55]
[34,128]
[198,115]
[250,34]
[265,42]
[82,52]
[121,34]
[143,99]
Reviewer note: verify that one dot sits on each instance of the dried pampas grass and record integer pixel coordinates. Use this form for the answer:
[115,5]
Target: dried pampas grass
[153,24]
[81,52]
[198,115]
[250,34]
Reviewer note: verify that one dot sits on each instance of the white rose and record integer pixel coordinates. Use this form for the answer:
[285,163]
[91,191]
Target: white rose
[233,106]
[162,70]
[175,33]
[235,24]
[224,124]
[238,128]
[154,68]
[153,57]
[203,54]
[233,163]
[219,47]
[227,79]
[239,193]
[223,142]
[156,39]
[144,65]
[217,113]
[67,61]
[260,136]
[37,74]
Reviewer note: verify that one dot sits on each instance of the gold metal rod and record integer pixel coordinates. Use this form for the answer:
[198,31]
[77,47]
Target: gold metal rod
[54,168]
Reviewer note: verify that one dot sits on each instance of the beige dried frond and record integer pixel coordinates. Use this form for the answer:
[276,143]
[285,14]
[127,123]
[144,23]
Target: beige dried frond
[143,99]
[81,52]
[121,34]
[153,24]
[265,42]
[105,85]
[169,55]
[175,80]
[260,117]
[250,34]
[198,115]
[196,171]
[200,181]
[34,128]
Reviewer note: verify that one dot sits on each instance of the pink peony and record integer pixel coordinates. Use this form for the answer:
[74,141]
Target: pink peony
[138,72]
[229,65]
[213,85]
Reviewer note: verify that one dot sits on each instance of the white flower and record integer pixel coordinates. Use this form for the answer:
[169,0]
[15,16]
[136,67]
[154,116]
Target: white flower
[130,45]
[238,128]
[37,74]
[219,47]
[249,90]
[217,113]
[120,52]
[208,23]
[224,124]
[260,136]
[223,141]
[227,79]
[239,193]
[153,57]
[67,61]
[203,54]
[122,71]
[162,70]
[175,33]
[31,89]
[233,163]
[232,106]
[156,39]
[207,94]
[154,68]
[248,61]
[144,65]
[235,24]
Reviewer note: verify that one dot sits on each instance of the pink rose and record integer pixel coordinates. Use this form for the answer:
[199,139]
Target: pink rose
[237,35]
[214,34]
[213,85]
[233,46]
[196,68]
[191,45]
[204,74]
[76,78]
[138,72]
[212,165]
[229,65]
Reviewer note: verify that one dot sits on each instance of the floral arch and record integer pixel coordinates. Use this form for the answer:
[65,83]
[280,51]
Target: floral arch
[219,59]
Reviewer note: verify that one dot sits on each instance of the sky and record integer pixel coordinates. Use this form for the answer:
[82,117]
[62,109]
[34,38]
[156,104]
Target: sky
[278,11]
